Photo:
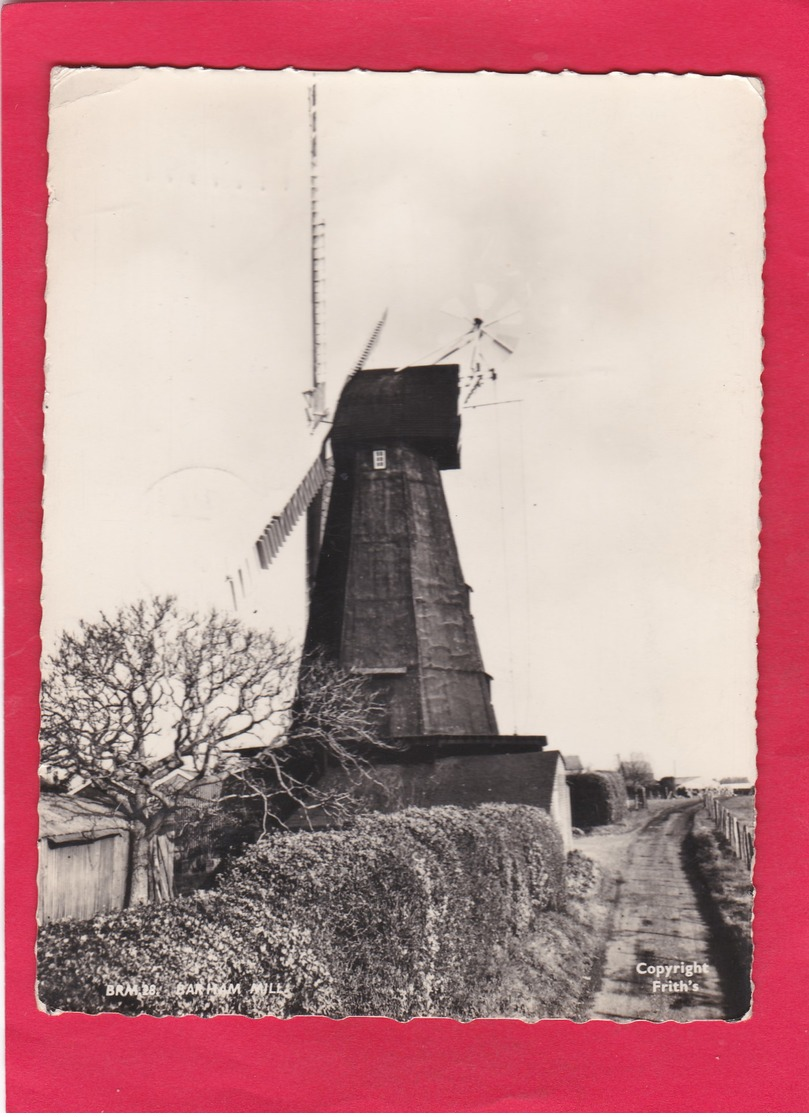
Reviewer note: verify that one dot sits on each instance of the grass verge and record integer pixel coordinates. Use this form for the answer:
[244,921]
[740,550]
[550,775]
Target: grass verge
[724,889]
[554,972]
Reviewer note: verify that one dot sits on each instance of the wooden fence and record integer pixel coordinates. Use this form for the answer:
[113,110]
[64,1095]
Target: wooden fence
[738,833]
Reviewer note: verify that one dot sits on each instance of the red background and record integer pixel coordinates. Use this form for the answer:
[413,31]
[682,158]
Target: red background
[72,1062]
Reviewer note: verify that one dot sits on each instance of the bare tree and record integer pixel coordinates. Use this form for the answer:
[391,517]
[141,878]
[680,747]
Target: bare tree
[134,697]
[638,776]
[320,762]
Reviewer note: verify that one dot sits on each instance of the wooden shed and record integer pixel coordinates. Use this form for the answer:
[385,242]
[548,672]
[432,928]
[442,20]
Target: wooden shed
[84,852]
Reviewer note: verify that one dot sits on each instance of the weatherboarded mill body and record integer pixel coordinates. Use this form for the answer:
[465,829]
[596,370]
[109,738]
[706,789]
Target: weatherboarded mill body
[389,599]
[389,602]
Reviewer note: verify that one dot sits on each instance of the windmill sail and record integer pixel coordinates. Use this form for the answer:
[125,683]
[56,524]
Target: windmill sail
[279,528]
[315,402]
[474,343]
[372,340]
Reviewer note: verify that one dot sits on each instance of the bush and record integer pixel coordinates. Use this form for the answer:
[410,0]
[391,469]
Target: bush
[397,916]
[596,798]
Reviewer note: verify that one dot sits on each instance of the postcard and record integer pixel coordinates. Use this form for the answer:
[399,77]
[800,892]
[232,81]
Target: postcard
[400,544]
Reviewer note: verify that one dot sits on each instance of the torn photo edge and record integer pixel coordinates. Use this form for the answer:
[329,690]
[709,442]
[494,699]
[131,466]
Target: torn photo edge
[39,37]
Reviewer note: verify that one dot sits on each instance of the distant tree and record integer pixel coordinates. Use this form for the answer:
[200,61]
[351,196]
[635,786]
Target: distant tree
[638,775]
[133,697]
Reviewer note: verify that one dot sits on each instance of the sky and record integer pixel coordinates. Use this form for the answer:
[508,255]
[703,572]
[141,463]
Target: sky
[606,505]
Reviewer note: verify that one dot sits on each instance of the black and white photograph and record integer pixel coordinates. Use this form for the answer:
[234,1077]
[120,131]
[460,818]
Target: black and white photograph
[400,544]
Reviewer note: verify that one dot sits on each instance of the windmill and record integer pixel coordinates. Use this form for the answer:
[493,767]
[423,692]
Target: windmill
[387,596]
[312,494]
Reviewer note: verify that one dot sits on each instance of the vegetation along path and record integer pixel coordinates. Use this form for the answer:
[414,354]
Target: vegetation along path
[657,922]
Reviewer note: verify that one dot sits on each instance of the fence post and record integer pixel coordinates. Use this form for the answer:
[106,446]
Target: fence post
[738,833]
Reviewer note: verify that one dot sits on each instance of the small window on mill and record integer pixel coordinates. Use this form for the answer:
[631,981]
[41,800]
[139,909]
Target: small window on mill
[380,459]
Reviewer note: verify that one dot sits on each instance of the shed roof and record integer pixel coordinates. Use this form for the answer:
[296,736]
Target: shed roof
[188,786]
[697,783]
[65,818]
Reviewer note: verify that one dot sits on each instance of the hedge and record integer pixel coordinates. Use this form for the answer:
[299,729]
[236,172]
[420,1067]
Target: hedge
[596,798]
[396,916]
[618,795]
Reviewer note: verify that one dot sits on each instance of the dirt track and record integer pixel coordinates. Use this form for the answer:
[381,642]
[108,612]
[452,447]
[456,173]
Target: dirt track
[656,922]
